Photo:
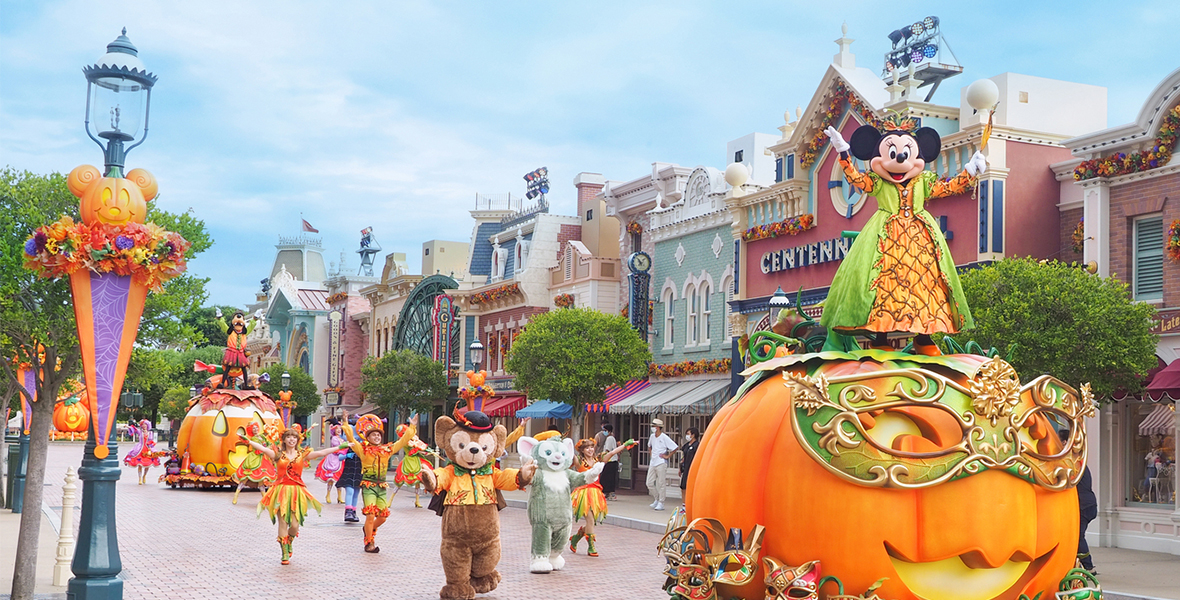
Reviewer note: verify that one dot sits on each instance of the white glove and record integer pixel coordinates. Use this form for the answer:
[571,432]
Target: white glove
[837,140]
[977,165]
[592,474]
[218,313]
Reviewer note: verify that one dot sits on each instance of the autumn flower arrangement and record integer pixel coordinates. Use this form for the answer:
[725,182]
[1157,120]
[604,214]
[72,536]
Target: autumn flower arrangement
[689,367]
[634,227]
[147,252]
[338,389]
[1121,163]
[337,297]
[563,300]
[792,226]
[1173,247]
[1079,237]
[842,96]
[491,295]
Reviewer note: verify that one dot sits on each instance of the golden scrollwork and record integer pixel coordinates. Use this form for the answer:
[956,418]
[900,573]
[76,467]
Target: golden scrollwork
[810,393]
[995,390]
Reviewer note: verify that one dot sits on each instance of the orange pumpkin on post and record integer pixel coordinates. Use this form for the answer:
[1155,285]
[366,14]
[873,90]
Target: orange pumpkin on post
[71,416]
[943,474]
[112,200]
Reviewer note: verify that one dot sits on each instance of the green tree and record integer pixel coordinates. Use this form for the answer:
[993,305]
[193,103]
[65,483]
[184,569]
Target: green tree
[38,313]
[572,355]
[303,390]
[1063,322]
[204,322]
[404,380]
[174,403]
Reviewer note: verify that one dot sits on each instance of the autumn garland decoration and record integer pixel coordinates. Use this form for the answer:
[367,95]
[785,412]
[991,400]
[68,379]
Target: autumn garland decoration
[337,297]
[1121,163]
[840,97]
[563,300]
[792,226]
[1079,237]
[491,295]
[634,227]
[711,366]
[1173,247]
[147,252]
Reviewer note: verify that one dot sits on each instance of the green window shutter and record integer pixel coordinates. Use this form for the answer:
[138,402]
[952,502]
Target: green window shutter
[1149,259]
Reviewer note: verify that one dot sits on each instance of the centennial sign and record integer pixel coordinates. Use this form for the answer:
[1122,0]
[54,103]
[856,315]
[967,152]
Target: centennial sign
[806,255]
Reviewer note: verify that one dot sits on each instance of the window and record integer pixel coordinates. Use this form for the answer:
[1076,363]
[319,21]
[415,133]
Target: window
[778,169]
[426,251]
[1148,275]
[790,166]
[706,292]
[590,215]
[737,156]
[727,289]
[693,316]
[1151,469]
[668,319]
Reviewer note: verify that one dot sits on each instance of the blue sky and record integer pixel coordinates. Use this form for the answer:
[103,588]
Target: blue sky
[395,114]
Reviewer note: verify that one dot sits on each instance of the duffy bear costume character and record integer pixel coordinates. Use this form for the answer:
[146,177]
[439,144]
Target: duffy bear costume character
[550,511]
[899,274]
[470,521]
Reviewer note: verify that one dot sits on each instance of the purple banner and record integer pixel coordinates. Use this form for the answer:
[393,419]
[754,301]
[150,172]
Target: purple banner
[30,384]
[109,294]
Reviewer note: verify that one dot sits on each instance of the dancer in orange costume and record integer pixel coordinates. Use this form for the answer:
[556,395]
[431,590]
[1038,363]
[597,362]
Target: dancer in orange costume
[374,464]
[288,500]
[589,501]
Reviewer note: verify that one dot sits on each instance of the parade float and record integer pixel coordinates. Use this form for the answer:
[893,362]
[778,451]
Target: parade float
[839,471]
[208,447]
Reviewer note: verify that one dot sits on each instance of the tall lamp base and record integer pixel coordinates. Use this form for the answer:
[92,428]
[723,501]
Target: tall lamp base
[96,564]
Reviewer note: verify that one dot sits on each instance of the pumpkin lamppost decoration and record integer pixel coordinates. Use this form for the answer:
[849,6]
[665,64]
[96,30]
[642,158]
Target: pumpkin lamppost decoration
[112,258]
[285,403]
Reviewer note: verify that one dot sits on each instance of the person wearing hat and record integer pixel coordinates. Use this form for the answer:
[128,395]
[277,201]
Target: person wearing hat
[661,447]
[374,464]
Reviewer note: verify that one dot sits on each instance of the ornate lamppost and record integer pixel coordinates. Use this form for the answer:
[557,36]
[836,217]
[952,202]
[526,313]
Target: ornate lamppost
[285,403]
[777,303]
[476,353]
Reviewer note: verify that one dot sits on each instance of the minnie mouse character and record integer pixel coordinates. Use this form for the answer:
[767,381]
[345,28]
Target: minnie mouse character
[899,274]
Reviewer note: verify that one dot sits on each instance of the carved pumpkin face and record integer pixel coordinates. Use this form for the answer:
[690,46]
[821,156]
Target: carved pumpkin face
[71,416]
[869,470]
[112,200]
[211,428]
[475,379]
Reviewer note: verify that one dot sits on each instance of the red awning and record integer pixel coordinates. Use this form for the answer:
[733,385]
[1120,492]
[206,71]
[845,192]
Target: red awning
[1166,383]
[615,393]
[504,406]
[1147,381]
[1160,421]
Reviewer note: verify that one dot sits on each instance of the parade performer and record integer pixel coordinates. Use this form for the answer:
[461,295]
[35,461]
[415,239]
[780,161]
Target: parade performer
[143,455]
[236,359]
[550,512]
[374,458]
[588,501]
[329,469]
[899,274]
[288,500]
[256,468]
[409,470]
[467,493]
[350,482]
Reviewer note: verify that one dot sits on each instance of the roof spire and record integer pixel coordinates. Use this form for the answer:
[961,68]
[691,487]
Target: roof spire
[845,58]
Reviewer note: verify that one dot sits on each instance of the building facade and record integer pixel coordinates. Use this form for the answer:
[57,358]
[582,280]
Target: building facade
[1125,219]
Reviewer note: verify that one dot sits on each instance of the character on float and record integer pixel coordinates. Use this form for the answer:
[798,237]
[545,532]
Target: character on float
[374,464]
[288,500]
[409,471]
[236,359]
[329,469]
[256,468]
[589,502]
[143,455]
[899,274]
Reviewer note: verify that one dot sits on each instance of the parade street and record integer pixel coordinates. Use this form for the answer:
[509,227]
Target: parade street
[196,544]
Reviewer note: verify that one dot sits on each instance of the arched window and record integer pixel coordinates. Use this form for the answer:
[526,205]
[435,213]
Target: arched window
[705,290]
[694,316]
[669,318]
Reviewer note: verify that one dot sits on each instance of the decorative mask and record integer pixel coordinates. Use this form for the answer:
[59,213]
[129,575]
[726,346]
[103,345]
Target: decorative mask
[1079,584]
[737,564]
[791,583]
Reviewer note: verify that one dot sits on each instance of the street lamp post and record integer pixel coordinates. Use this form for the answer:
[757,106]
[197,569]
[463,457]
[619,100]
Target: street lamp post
[118,89]
[778,302]
[285,404]
[476,353]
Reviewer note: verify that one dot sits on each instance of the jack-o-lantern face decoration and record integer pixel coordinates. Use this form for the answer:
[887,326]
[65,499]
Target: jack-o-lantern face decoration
[476,379]
[942,474]
[112,200]
[210,430]
[71,416]
[791,583]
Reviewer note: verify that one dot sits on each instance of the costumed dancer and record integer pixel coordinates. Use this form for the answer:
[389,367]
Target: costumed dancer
[409,470]
[350,482]
[588,500]
[143,455]
[288,500]
[374,458]
[899,274]
[256,468]
[236,359]
[329,469]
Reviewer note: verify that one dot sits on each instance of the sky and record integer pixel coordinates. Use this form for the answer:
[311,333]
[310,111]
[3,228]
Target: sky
[395,115]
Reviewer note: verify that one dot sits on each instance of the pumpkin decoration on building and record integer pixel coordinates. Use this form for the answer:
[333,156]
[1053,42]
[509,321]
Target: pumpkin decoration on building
[963,458]
[71,415]
[209,434]
[112,200]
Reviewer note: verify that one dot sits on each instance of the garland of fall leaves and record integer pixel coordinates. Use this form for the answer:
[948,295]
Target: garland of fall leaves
[563,300]
[491,295]
[792,226]
[840,97]
[1173,247]
[1121,163]
[689,367]
[147,252]
[1078,238]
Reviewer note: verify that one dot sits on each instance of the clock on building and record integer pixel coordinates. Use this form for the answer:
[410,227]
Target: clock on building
[638,281]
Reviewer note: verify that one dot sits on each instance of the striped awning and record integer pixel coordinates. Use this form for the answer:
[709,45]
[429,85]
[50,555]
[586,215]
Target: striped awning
[704,400]
[651,398]
[504,406]
[615,393]
[1160,421]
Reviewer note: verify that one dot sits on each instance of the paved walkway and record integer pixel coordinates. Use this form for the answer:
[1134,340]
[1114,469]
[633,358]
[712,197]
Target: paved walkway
[195,544]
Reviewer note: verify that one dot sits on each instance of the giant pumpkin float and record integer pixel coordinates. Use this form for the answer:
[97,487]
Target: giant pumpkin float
[209,435]
[944,475]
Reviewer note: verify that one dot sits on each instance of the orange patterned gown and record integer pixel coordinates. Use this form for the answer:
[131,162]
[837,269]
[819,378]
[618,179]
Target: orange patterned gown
[899,274]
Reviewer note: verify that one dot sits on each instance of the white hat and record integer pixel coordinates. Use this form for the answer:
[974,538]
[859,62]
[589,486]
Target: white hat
[657,423]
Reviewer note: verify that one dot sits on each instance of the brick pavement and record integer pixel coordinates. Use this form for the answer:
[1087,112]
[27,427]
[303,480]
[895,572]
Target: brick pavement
[195,544]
